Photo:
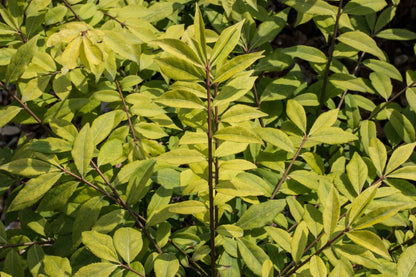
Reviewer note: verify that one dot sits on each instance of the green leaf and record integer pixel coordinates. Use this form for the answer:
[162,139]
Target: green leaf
[118,43]
[33,191]
[402,125]
[349,82]
[299,241]
[229,230]
[20,60]
[96,269]
[383,67]
[297,114]
[56,266]
[35,257]
[370,241]
[333,135]
[357,172]
[237,164]
[86,217]
[187,207]
[13,264]
[378,155]
[235,88]
[397,34]
[324,121]
[406,266]
[109,221]
[360,203]
[253,256]
[399,157]
[166,265]
[179,69]
[181,156]
[110,152]
[407,172]
[317,7]
[226,42]
[364,7]
[317,267]
[7,113]
[100,245]
[83,149]
[143,170]
[362,42]
[102,126]
[28,167]
[259,215]
[107,95]
[267,269]
[241,113]
[277,138]
[307,53]
[128,242]
[35,88]
[180,50]
[180,99]
[280,236]
[55,14]
[199,29]
[357,255]
[382,84]
[331,212]
[70,56]
[237,134]
[235,65]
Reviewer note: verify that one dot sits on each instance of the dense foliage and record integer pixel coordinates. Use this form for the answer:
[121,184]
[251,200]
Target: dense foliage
[155,141]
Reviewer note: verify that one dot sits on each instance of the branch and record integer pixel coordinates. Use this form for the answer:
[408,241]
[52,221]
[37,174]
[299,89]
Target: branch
[305,138]
[72,10]
[120,201]
[47,242]
[330,55]
[115,19]
[130,269]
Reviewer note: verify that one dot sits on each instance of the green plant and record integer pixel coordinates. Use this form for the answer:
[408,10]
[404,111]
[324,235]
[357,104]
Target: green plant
[163,144]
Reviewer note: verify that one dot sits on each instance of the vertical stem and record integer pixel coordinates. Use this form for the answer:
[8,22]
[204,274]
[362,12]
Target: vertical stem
[210,173]
[330,55]
[217,165]
[72,10]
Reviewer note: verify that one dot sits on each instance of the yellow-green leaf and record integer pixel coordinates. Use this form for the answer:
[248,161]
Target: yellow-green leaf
[370,241]
[362,42]
[128,243]
[331,212]
[83,149]
[100,245]
[237,134]
[181,156]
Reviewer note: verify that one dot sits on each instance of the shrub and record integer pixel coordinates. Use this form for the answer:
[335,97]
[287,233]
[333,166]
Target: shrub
[158,142]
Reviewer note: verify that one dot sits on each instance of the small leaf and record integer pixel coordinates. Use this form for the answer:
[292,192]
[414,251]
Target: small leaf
[235,88]
[237,134]
[317,267]
[299,241]
[143,170]
[100,245]
[360,203]
[102,126]
[229,230]
[83,150]
[199,28]
[382,84]
[181,156]
[96,269]
[28,167]
[406,266]
[383,67]
[277,138]
[241,113]
[378,155]
[86,217]
[364,7]
[7,113]
[357,172]
[362,42]
[259,215]
[280,236]
[128,242]
[180,99]
[297,114]
[253,256]
[407,172]
[307,53]
[180,50]
[33,191]
[179,69]
[235,65]
[226,42]
[331,212]
[267,269]
[187,207]
[370,241]
[166,265]
[399,157]
[20,60]
[333,135]
[324,121]
[56,266]
[318,7]
[396,34]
